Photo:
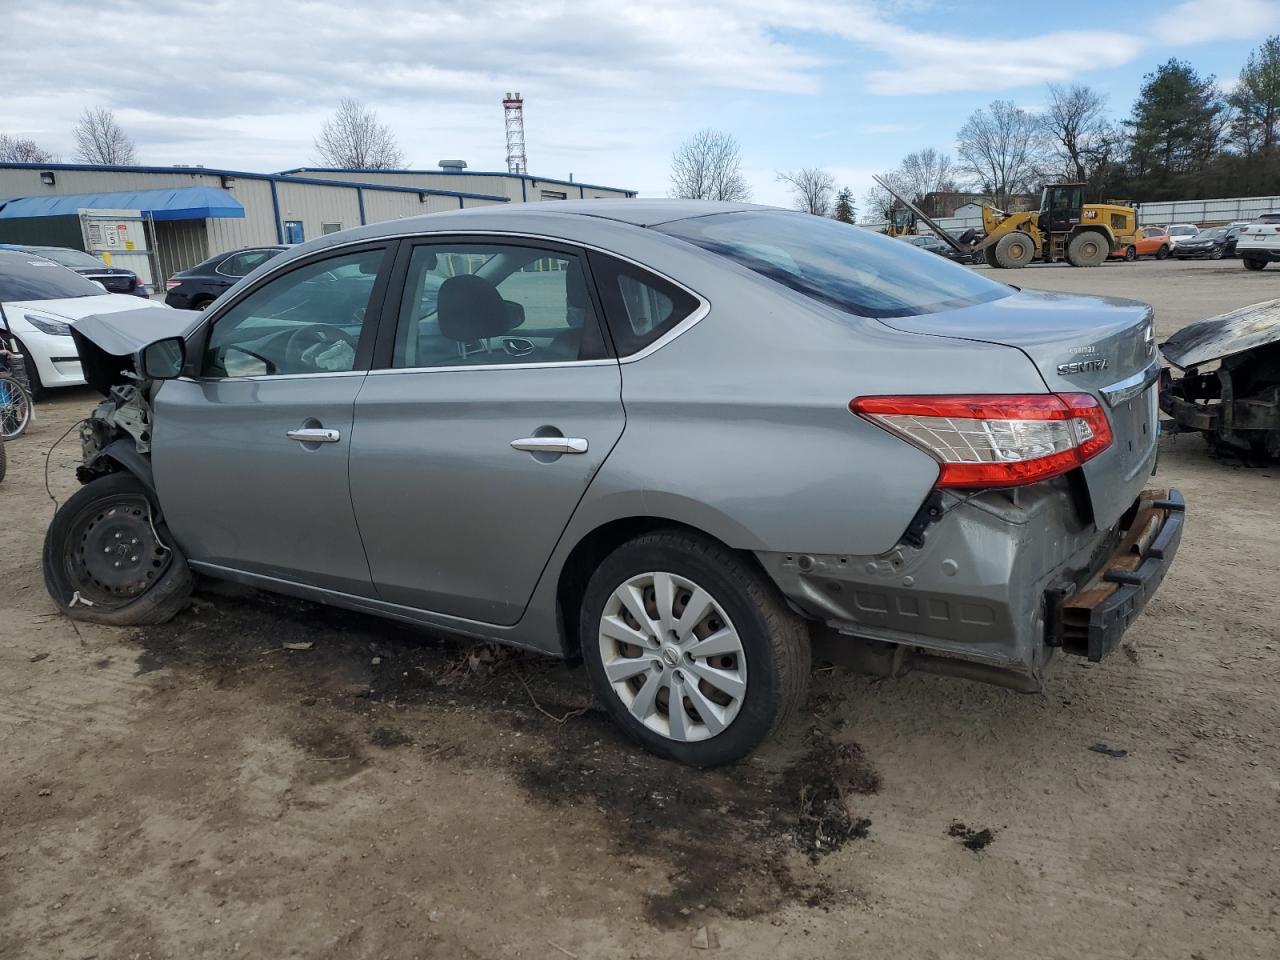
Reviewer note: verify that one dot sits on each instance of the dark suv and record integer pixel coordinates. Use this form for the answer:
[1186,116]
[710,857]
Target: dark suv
[198,286]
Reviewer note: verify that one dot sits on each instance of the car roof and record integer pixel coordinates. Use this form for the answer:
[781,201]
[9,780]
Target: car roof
[23,254]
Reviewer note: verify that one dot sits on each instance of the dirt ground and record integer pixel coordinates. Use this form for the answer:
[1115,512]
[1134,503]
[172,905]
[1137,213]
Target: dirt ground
[197,790]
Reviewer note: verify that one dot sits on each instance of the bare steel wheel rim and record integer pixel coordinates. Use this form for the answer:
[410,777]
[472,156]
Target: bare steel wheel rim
[114,553]
[672,656]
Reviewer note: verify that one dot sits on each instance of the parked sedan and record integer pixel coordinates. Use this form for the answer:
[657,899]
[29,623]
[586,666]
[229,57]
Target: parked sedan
[687,442]
[115,279]
[935,245]
[39,299]
[1209,244]
[198,286]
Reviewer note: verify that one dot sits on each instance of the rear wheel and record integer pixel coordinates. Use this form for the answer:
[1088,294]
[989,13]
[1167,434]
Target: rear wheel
[1162,253]
[1088,249]
[692,652]
[109,558]
[1015,250]
[15,408]
[1254,264]
[1130,253]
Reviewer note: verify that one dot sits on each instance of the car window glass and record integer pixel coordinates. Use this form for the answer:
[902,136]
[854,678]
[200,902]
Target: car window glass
[25,276]
[468,304]
[243,263]
[308,320]
[849,268]
[639,307]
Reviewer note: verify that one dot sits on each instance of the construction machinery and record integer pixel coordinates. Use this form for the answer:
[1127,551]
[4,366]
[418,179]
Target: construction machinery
[902,222]
[1064,228]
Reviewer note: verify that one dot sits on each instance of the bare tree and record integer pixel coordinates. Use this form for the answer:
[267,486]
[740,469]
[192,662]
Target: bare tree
[708,166]
[99,139]
[812,189]
[1075,122]
[878,203]
[354,139]
[1000,148]
[923,172]
[22,150]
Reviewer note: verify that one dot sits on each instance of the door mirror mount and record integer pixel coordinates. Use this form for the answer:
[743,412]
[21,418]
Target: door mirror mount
[162,360]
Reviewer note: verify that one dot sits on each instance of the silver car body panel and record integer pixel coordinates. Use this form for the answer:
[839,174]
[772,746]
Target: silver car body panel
[717,435]
[1224,336]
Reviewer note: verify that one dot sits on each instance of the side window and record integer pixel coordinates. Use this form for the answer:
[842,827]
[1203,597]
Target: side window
[639,308]
[243,263]
[469,304]
[308,320]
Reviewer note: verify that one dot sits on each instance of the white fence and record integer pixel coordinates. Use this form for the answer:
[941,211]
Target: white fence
[1203,212]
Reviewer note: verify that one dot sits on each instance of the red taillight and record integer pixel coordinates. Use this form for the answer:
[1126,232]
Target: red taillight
[170,284]
[995,440]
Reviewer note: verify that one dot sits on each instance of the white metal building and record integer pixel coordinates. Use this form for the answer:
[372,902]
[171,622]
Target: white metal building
[196,212]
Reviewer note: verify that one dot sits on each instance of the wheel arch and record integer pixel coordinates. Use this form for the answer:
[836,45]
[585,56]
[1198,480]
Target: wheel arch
[596,544]
[123,455]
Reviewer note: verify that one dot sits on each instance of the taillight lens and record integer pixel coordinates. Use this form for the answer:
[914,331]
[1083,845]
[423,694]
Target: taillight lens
[170,284]
[996,440]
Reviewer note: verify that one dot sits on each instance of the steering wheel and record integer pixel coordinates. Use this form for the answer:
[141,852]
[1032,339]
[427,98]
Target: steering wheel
[300,349]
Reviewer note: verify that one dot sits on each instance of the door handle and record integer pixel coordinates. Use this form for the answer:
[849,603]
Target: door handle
[550,445]
[314,435]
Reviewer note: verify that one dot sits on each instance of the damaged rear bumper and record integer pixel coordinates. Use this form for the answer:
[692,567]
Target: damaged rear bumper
[1090,621]
[1002,581]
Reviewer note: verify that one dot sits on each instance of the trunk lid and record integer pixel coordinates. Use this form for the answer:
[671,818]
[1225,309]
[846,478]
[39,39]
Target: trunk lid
[1079,344]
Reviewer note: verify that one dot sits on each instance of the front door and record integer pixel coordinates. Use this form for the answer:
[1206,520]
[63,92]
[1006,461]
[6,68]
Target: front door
[251,456]
[474,444]
[1065,207]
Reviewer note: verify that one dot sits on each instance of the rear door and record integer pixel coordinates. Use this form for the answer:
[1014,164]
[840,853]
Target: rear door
[251,455]
[495,404]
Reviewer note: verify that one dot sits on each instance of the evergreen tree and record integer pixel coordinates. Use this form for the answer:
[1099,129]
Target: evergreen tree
[1177,125]
[845,211]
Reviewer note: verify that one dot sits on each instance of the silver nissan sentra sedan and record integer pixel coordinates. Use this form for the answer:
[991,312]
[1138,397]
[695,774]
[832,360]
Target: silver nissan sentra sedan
[694,444]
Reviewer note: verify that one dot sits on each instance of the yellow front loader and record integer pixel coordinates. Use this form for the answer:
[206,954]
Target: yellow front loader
[1064,228]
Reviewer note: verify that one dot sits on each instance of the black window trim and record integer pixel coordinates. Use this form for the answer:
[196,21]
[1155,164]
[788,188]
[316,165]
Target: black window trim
[369,331]
[388,328]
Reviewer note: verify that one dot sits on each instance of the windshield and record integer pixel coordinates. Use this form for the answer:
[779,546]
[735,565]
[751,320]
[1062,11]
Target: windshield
[76,259]
[24,276]
[1183,231]
[1214,234]
[847,267]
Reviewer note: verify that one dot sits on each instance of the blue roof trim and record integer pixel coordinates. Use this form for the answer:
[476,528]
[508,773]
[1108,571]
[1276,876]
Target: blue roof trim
[244,175]
[460,173]
[173,203]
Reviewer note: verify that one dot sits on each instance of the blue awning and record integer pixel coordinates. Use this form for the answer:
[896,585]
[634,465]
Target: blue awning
[179,203]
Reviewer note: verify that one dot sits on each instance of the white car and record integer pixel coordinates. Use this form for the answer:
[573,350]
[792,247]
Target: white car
[39,299]
[1259,243]
[1179,232]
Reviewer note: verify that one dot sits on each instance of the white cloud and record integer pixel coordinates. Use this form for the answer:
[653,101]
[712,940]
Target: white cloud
[1203,21]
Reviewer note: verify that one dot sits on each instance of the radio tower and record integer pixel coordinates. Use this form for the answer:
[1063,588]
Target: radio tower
[513,109]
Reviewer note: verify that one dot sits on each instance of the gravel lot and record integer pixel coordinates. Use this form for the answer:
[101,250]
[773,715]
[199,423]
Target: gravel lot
[196,790]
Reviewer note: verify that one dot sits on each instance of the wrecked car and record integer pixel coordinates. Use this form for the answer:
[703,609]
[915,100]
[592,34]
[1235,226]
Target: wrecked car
[694,444]
[1228,388]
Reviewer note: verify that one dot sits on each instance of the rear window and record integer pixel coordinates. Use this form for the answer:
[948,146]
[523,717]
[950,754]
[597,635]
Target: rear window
[847,267]
[76,259]
[24,276]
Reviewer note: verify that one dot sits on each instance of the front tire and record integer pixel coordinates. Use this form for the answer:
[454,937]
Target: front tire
[1254,264]
[690,649]
[1015,250]
[109,558]
[1130,254]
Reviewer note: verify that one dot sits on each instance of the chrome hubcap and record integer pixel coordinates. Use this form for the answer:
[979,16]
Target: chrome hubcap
[672,656]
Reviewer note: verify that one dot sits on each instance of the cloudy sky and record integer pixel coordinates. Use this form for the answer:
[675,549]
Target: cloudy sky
[610,88]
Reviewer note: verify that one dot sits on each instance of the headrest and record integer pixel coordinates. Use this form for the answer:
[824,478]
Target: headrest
[470,308]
